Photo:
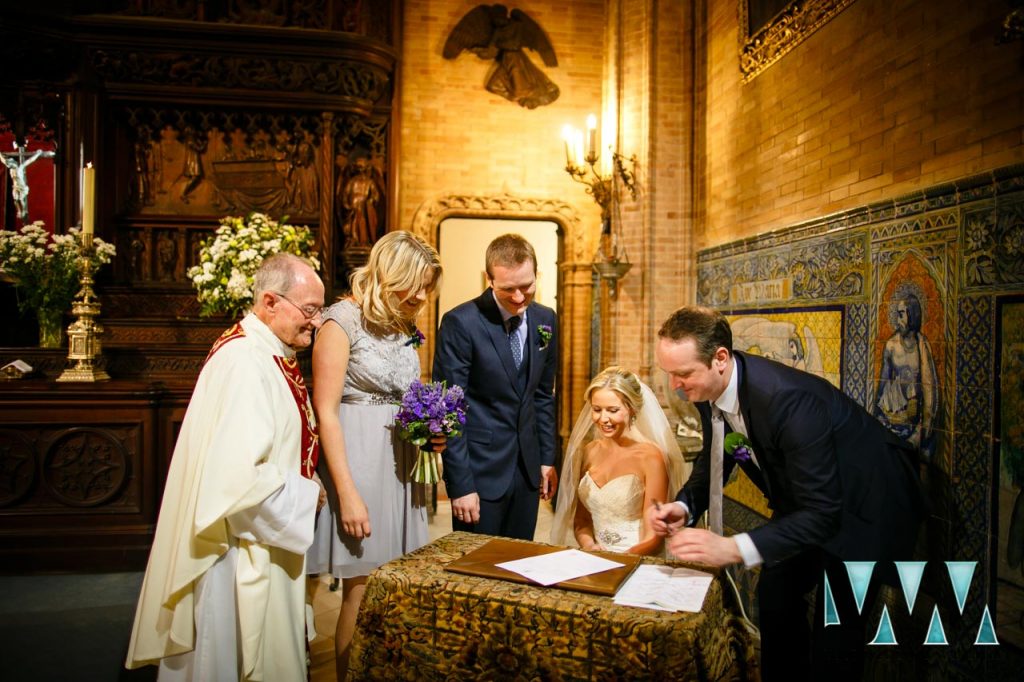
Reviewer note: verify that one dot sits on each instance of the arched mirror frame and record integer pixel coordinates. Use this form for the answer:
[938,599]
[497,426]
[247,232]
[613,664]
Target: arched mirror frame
[575,286]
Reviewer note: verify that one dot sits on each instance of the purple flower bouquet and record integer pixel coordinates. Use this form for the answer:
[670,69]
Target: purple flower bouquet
[431,409]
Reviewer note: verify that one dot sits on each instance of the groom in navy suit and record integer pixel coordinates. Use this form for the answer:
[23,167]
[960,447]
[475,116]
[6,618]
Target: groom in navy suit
[502,349]
[841,487]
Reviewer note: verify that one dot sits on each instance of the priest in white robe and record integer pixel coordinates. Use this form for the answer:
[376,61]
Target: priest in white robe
[224,592]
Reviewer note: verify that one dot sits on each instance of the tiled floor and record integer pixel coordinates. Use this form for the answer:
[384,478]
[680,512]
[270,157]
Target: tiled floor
[326,603]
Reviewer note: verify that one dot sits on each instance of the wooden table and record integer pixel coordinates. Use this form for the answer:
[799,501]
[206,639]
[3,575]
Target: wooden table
[418,621]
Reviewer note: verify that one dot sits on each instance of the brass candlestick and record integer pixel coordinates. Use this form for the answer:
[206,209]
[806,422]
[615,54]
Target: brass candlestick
[84,333]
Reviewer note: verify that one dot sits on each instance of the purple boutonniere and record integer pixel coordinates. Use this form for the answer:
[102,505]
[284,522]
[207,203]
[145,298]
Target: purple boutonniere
[738,447]
[416,339]
[545,333]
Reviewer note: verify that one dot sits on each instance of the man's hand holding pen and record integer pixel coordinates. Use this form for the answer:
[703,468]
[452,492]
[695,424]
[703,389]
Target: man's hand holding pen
[666,519]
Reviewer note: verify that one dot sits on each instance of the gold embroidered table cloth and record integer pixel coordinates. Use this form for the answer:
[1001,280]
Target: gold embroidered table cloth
[420,622]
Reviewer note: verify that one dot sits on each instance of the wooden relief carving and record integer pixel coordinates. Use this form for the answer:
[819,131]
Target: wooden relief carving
[353,80]
[85,467]
[17,467]
[491,32]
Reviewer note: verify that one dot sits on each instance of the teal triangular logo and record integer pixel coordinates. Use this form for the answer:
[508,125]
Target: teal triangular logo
[910,579]
[831,612]
[960,574]
[884,635]
[936,633]
[986,631]
[860,578]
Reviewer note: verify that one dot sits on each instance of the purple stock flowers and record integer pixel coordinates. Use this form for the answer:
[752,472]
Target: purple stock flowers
[426,410]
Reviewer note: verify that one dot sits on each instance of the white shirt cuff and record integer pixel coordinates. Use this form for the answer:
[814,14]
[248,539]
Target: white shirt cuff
[751,557]
[686,510]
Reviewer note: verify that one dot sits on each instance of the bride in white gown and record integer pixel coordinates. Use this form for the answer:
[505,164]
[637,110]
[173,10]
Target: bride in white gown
[621,458]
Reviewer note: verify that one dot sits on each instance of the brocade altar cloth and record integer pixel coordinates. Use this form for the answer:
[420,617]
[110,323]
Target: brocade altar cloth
[420,622]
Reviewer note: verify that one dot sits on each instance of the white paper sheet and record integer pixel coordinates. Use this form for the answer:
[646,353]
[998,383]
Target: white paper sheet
[665,588]
[548,569]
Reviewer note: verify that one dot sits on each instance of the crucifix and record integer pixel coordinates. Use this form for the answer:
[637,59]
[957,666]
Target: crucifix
[17,162]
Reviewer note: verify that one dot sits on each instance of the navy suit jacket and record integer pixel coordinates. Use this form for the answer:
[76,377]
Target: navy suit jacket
[834,476]
[504,424]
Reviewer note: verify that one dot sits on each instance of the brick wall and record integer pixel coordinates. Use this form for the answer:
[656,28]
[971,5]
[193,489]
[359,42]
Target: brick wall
[457,138]
[889,97]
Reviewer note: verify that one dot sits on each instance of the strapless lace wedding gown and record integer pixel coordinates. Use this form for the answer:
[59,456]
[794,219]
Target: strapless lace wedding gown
[616,509]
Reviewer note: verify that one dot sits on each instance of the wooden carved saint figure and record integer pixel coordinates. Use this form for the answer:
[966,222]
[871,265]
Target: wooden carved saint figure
[362,189]
[491,32]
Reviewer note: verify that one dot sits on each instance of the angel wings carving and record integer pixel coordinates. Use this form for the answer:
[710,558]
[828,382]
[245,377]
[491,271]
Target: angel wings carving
[490,32]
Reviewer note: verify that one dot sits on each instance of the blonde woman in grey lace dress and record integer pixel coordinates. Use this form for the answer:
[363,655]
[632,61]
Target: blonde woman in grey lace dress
[364,359]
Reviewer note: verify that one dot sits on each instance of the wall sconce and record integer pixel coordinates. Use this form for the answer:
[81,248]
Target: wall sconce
[603,178]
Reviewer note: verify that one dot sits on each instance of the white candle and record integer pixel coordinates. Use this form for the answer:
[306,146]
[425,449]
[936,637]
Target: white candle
[88,186]
[591,137]
[580,158]
[567,138]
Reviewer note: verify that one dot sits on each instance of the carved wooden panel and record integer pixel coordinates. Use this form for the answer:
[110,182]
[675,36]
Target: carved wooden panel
[82,469]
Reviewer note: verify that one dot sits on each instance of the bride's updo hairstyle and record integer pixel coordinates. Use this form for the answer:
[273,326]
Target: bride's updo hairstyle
[399,262]
[625,384]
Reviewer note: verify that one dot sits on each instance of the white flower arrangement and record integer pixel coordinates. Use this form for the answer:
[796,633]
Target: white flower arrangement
[228,259]
[45,267]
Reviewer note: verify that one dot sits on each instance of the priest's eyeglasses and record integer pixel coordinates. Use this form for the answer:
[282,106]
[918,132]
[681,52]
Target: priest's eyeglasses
[308,311]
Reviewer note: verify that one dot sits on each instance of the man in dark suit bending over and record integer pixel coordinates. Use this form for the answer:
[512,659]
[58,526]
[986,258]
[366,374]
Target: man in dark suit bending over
[841,488]
[501,347]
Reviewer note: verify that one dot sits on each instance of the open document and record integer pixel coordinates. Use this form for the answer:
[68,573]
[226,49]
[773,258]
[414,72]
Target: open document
[548,569]
[665,588]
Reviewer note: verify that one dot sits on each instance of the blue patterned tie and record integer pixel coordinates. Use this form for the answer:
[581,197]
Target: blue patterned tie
[513,340]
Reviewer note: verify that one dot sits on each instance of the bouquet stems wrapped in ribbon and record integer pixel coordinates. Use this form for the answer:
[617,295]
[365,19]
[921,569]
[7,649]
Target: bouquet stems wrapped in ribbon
[432,409]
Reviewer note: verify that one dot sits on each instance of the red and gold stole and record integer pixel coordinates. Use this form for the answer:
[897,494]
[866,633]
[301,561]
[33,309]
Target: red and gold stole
[232,333]
[310,437]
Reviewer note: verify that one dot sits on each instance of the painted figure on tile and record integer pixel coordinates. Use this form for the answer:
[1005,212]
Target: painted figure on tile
[908,384]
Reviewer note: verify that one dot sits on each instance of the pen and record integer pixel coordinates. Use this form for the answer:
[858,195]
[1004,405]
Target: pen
[668,528]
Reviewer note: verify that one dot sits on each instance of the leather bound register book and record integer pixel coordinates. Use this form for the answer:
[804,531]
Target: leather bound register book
[482,562]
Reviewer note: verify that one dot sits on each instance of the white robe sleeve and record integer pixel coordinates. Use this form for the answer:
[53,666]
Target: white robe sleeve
[284,519]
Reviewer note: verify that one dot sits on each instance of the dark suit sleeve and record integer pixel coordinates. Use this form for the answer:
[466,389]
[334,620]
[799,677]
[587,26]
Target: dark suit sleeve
[452,357]
[545,399]
[803,436]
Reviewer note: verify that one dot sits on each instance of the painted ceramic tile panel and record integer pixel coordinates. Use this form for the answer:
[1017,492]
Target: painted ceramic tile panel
[808,339]
[1010,570]
[909,354]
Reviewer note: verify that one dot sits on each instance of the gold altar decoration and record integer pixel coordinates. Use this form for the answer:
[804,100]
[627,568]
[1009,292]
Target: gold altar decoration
[84,333]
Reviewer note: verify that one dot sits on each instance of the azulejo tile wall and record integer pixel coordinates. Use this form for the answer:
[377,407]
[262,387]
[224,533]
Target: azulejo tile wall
[917,281]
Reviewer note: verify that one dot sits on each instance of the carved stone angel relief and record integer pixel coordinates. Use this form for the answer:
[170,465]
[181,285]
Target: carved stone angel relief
[490,32]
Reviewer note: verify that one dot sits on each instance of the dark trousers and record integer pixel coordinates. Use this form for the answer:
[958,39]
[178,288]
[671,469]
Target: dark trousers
[796,648]
[513,515]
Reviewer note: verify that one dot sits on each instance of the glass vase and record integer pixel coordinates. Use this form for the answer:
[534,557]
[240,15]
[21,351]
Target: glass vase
[51,328]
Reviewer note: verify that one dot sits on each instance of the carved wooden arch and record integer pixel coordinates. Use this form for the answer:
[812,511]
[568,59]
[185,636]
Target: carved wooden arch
[574,280]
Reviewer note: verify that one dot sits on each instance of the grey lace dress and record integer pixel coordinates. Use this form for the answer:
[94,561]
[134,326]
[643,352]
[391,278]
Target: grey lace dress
[380,369]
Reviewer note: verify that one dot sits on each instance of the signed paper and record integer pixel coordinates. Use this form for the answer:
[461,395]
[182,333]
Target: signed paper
[548,569]
[665,588]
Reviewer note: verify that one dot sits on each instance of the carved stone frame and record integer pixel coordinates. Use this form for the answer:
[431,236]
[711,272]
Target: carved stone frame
[788,29]
[574,284]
